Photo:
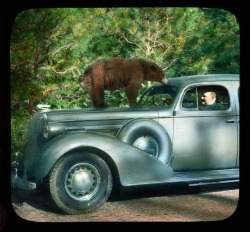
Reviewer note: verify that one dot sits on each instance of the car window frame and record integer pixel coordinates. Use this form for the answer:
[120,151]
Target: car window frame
[198,88]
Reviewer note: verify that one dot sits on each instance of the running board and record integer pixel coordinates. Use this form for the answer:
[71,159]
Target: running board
[213,183]
[198,178]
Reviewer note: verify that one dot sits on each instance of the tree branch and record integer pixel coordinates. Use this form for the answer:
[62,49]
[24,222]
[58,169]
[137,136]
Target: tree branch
[123,36]
[66,71]
[64,47]
[52,89]
[171,63]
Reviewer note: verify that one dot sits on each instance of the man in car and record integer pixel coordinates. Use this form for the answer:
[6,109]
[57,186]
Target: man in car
[209,101]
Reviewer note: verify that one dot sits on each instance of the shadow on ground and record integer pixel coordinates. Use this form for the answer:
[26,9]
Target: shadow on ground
[41,200]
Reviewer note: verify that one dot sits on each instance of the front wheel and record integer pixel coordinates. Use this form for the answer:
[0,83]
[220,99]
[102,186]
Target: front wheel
[80,182]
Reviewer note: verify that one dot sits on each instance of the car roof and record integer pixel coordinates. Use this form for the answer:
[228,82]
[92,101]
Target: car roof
[187,80]
[179,81]
[209,77]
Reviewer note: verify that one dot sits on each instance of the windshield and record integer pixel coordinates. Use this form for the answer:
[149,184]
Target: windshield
[159,95]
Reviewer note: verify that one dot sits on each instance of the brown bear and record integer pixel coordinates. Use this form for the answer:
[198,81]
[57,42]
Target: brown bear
[115,73]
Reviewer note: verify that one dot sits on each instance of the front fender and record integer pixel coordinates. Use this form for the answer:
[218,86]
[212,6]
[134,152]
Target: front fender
[135,167]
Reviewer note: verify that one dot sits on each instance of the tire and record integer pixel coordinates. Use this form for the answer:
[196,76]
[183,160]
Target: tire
[148,135]
[80,182]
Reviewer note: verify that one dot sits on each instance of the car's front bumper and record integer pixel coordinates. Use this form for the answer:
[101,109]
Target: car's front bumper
[18,182]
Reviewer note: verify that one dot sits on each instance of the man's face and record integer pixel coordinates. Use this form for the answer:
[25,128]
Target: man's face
[208,98]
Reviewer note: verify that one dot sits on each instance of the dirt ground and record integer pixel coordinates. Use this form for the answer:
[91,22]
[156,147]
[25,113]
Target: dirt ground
[207,206]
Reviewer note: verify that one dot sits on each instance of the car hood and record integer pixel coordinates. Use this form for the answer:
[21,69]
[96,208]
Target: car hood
[46,126]
[92,114]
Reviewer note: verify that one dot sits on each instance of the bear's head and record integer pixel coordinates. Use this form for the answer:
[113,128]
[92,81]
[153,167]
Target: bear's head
[153,72]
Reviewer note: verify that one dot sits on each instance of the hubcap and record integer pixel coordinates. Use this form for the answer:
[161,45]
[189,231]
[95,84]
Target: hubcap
[82,181]
[147,144]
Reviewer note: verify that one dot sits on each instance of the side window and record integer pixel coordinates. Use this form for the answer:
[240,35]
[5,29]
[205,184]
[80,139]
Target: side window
[189,101]
[212,97]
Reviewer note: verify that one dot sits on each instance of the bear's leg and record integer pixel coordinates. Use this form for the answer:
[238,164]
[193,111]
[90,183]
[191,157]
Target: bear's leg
[97,95]
[131,92]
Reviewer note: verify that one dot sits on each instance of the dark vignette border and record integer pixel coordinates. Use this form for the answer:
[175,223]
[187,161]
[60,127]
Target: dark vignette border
[8,219]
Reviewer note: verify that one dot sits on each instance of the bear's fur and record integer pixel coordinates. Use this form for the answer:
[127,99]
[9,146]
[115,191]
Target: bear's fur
[115,73]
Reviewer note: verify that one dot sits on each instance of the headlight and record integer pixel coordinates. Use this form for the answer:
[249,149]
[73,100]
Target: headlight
[52,130]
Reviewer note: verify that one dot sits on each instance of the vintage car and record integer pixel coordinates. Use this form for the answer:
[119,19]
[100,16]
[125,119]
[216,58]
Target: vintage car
[83,153]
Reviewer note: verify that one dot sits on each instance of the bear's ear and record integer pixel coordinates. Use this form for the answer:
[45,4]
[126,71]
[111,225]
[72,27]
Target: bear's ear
[153,67]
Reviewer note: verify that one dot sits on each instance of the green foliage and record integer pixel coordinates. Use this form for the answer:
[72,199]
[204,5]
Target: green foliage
[116,98]
[50,48]
[20,121]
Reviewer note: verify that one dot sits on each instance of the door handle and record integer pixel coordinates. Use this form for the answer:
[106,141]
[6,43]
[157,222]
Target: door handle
[231,121]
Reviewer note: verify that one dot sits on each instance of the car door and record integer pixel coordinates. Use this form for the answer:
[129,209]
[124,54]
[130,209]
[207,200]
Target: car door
[205,139]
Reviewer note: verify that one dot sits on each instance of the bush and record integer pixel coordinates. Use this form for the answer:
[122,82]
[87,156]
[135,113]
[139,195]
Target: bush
[20,120]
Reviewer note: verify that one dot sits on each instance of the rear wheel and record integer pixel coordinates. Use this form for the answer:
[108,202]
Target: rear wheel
[80,182]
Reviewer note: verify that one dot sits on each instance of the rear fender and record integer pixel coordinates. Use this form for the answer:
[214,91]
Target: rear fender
[135,167]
